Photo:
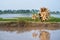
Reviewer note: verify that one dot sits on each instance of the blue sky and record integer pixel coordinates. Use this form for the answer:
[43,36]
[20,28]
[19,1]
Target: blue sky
[53,5]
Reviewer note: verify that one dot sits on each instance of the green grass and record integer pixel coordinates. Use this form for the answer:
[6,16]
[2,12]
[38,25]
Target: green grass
[1,19]
[52,19]
[27,19]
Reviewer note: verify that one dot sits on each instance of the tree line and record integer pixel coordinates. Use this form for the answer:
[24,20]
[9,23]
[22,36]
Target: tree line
[55,12]
[25,11]
[18,11]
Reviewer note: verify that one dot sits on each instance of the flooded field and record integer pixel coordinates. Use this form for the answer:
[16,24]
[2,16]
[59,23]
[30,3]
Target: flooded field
[29,33]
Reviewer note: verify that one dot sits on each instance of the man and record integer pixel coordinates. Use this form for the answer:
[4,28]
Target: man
[44,14]
[34,16]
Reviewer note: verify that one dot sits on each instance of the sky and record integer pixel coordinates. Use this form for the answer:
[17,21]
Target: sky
[53,5]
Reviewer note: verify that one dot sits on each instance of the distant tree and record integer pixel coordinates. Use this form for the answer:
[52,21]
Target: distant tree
[34,11]
[52,12]
[0,11]
[14,11]
[5,11]
[27,11]
[57,12]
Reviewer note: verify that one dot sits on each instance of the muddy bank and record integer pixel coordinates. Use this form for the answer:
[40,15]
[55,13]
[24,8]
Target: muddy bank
[37,25]
[22,26]
[32,24]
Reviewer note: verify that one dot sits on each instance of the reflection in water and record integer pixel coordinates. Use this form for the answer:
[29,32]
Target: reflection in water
[34,35]
[28,33]
[43,35]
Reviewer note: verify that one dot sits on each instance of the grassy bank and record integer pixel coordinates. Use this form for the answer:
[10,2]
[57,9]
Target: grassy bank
[52,19]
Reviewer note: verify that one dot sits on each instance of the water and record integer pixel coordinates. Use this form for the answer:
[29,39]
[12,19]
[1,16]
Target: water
[23,15]
[28,33]
[15,15]
[56,15]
